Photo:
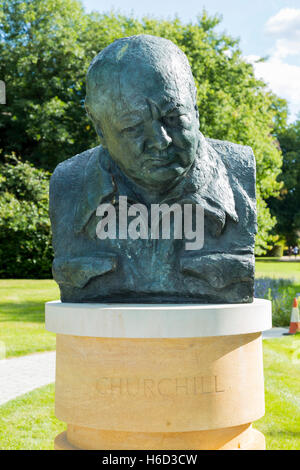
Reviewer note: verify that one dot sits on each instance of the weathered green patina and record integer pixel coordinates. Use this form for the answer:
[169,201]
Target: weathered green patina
[141,98]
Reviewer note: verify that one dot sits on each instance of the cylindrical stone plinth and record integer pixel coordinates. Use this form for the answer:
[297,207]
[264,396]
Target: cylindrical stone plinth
[159,376]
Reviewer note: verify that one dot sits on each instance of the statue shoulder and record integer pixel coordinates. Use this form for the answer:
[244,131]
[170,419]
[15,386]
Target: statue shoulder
[233,155]
[77,187]
[71,169]
[67,179]
[239,161]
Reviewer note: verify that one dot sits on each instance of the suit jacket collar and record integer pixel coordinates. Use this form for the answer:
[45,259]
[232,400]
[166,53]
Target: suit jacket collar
[206,184]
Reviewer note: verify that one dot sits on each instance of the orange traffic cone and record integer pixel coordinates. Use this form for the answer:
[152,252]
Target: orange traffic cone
[295,318]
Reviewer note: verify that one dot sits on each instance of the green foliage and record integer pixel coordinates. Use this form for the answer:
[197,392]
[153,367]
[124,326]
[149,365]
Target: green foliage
[265,223]
[46,47]
[287,207]
[277,250]
[25,244]
[281,293]
[43,63]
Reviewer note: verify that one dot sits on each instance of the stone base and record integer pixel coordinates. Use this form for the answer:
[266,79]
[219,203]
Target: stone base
[238,438]
[190,390]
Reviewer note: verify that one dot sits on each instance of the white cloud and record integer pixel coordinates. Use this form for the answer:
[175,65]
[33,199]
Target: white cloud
[282,77]
[285,23]
[285,28]
[286,47]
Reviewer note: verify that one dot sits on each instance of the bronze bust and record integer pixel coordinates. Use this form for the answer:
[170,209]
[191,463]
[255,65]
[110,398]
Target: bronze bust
[141,98]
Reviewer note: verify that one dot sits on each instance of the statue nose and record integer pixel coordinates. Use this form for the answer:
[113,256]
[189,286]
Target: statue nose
[158,137]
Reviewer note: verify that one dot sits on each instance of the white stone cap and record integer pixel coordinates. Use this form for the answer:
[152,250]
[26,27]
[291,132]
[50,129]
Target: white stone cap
[157,320]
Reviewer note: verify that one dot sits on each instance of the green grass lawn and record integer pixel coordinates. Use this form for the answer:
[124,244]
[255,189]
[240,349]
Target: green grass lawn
[22,317]
[281,423]
[29,422]
[270,268]
[22,305]
[273,267]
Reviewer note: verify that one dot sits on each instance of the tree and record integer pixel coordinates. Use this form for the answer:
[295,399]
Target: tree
[286,208]
[46,47]
[43,64]
[25,241]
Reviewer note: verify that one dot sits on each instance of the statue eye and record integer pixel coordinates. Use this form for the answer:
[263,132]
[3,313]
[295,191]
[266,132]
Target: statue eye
[172,121]
[130,130]
[133,130]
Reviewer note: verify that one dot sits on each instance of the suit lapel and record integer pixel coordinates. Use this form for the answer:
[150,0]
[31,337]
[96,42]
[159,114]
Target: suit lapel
[97,187]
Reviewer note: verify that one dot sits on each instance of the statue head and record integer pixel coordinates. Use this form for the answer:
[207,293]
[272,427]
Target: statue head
[141,97]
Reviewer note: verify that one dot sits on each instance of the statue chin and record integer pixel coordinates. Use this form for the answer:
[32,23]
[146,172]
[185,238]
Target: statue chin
[161,179]
[161,184]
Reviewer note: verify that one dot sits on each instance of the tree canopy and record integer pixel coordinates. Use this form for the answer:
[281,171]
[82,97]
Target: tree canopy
[46,47]
[25,241]
[286,208]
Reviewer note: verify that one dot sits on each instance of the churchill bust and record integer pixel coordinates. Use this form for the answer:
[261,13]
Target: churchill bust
[141,97]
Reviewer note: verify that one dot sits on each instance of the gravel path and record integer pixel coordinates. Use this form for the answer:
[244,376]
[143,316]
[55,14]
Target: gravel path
[274,333]
[22,374]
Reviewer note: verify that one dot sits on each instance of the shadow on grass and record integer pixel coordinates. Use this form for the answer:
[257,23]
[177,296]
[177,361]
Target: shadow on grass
[33,311]
[282,434]
[267,260]
[276,260]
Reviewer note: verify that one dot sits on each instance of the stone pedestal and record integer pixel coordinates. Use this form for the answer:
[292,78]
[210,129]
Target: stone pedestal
[159,376]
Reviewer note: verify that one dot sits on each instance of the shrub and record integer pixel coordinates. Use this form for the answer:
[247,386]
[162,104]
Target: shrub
[280,292]
[25,240]
[277,251]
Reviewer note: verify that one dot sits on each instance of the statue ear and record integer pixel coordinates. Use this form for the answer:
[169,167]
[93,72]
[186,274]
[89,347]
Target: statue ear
[97,127]
[101,136]
[88,112]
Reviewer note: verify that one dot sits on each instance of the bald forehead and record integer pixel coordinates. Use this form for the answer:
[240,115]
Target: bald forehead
[132,67]
[149,50]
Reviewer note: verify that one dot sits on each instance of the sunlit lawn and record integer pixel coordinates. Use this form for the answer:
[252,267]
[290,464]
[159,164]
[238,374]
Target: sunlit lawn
[281,423]
[29,422]
[273,267]
[22,306]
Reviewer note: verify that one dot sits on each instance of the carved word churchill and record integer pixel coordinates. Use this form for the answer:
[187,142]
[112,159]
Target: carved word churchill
[164,387]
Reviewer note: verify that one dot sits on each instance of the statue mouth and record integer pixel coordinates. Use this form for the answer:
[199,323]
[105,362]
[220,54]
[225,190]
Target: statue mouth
[159,160]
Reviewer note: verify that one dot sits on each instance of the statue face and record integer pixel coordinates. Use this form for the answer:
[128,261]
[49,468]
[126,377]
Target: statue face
[152,128]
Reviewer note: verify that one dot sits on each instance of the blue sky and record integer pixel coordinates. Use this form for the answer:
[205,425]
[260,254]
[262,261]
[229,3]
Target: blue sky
[265,28]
